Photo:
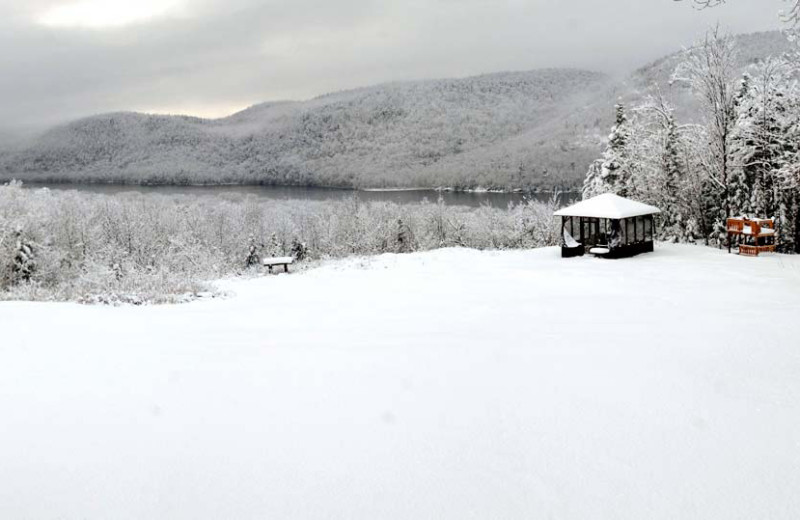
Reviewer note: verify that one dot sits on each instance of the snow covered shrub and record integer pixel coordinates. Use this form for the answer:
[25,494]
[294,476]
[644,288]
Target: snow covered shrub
[23,263]
[134,248]
[404,239]
[299,250]
[252,256]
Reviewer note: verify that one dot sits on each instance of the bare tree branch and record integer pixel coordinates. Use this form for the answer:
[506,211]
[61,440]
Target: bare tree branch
[790,17]
[709,69]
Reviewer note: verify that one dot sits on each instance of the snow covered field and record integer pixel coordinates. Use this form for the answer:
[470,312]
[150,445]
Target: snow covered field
[451,384]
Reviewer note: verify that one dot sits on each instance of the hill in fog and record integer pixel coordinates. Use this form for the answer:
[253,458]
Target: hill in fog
[537,129]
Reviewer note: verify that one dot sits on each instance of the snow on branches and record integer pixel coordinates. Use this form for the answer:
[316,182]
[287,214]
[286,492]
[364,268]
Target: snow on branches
[791,17]
[611,174]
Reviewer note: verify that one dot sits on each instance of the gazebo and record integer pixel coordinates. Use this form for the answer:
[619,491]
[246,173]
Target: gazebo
[607,225]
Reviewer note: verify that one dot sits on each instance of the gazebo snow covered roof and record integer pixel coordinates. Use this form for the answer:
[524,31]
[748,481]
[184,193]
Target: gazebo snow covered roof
[608,206]
[607,225]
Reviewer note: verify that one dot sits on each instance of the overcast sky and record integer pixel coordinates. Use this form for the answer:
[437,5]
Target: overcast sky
[62,59]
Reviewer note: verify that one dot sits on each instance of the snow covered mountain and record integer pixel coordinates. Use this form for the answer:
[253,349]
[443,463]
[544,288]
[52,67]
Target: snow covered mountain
[537,129]
[751,48]
[446,132]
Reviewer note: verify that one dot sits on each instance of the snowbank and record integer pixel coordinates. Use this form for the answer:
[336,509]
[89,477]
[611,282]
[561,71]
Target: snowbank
[450,384]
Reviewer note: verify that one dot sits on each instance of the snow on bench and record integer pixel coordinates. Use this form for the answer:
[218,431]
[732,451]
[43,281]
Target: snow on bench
[569,241]
[748,230]
[599,251]
[280,260]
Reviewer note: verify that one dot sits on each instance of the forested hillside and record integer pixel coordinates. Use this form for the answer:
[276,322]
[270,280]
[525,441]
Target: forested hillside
[750,50]
[497,130]
[535,130]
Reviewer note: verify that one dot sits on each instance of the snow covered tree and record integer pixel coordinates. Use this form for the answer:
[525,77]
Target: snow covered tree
[789,207]
[274,245]
[787,179]
[763,144]
[611,174]
[657,159]
[253,258]
[23,263]
[404,237]
[740,186]
[761,132]
[791,17]
[591,184]
[299,250]
[686,193]
[709,68]
[673,220]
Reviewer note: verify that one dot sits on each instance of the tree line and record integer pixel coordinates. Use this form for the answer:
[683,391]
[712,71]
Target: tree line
[741,159]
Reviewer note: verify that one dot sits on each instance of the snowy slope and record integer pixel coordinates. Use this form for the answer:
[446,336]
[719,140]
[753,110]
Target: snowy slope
[450,384]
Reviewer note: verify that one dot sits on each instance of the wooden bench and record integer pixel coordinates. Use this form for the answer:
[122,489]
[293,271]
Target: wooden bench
[269,263]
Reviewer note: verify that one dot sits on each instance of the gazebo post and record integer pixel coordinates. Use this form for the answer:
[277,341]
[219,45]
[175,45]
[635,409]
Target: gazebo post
[653,227]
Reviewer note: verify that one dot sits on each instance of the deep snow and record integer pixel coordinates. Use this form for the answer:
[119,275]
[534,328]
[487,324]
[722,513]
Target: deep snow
[450,384]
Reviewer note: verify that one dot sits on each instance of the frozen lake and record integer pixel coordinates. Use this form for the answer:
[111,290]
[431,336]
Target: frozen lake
[500,200]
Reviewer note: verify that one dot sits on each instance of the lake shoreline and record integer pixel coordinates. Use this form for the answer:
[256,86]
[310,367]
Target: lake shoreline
[473,198]
[443,189]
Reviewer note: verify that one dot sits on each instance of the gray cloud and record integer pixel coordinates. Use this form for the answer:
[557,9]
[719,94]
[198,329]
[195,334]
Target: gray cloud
[221,55]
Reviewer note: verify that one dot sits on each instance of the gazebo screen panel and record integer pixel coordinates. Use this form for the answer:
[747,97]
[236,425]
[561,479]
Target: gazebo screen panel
[630,226]
[590,230]
[639,229]
[573,227]
[623,232]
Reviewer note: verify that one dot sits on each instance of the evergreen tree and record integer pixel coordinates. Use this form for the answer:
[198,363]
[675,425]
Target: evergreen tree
[759,142]
[788,193]
[740,187]
[253,257]
[611,174]
[274,245]
[23,265]
[789,212]
[673,218]
[591,184]
[404,237]
[787,178]
[299,250]
[712,211]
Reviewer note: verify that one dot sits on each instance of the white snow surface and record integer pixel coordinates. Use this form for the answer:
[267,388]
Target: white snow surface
[452,384]
[607,205]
